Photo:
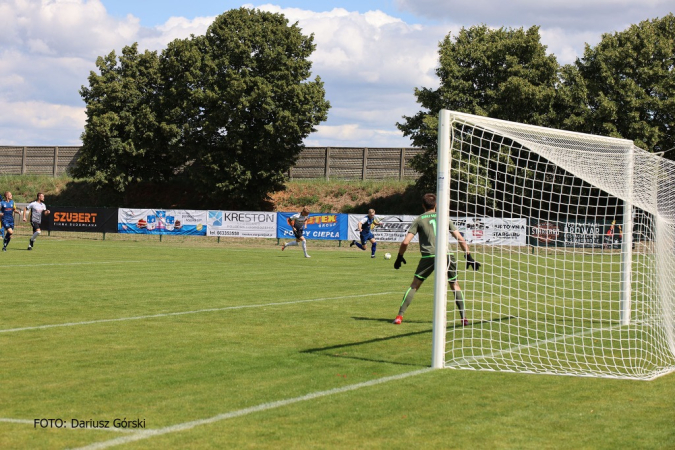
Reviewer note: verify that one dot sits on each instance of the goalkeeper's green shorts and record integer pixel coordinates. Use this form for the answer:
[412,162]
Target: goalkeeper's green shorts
[426,267]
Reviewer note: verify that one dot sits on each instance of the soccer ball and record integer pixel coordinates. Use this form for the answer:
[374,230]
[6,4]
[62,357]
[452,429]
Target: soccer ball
[387,256]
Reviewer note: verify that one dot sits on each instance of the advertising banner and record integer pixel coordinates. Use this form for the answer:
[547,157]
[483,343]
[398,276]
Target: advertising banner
[589,234]
[475,230]
[242,224]
[332,227]
[162,221]
[391,228]
[492,230]
[93,220]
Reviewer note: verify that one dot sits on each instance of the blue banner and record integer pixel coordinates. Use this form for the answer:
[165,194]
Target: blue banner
[329,227]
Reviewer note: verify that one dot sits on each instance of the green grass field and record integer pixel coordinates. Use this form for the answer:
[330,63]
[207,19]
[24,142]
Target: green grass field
[224,345]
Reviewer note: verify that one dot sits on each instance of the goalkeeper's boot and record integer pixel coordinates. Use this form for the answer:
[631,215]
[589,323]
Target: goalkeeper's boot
[465,322]
[398,320]
[352,243]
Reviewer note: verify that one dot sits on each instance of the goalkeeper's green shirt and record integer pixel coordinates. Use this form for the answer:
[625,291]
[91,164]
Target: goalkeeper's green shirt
[425,227]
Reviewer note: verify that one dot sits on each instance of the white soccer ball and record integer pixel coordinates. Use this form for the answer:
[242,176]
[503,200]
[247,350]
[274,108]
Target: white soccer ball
[387,256]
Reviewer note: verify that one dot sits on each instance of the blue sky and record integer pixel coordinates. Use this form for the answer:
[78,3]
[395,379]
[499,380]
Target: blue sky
[371,55]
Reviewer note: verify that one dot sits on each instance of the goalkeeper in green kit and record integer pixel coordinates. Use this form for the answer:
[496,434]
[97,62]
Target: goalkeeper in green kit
[425,227]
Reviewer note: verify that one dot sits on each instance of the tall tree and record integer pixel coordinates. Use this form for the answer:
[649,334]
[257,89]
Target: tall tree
[227,111]
[124,141]
[503,73]
[255,104]
[628,83]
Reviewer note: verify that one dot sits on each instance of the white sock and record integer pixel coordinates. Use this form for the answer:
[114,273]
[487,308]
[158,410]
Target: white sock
[304,247]
[292,243]
[35,235]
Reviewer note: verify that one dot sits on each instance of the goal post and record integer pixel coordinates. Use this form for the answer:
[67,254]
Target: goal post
[576,236]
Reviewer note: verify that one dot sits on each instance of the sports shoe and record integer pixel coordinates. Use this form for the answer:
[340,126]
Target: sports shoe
[307,256]
[4,249]
[352,243]
[372,256]
[30,247]
[398,320]
[465,322]
[283,247]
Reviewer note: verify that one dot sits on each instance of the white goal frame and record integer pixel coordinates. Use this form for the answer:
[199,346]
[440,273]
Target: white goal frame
[637,166]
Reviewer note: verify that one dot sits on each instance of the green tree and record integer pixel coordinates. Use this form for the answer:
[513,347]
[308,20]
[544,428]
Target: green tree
[503,73]
[124,141]
[628,84]
[255,104]
[226,111]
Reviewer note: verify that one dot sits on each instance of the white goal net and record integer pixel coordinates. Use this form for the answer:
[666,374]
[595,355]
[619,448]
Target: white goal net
[576,237]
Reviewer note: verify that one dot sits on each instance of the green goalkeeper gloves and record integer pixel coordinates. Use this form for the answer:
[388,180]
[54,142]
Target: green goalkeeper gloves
[470,262]
[399,260]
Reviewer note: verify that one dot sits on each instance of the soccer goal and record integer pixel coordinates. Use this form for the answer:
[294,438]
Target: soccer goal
[576,236]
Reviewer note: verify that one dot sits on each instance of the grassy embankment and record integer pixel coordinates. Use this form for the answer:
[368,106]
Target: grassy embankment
[336,196]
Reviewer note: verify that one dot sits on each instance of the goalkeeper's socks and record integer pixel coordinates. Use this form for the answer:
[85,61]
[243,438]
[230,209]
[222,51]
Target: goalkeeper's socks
[459,301]
[407,300]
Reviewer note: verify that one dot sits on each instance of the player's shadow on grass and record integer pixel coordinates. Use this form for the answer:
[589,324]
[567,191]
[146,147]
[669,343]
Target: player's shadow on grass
[449,326]
[323,350]
[389,320]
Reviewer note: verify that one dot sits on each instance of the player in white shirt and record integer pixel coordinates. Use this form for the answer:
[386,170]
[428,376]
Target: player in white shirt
[36,209]
[298,223]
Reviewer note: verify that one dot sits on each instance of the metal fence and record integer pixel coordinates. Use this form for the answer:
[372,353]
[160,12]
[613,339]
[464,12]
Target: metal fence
[351,163]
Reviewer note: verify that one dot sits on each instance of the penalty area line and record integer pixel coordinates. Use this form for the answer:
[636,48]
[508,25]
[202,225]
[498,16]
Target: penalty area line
[182,313]
[243,412]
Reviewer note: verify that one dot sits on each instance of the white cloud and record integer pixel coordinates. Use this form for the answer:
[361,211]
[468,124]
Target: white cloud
[370,62]
[355,135]
[48,48]
[27,123]
[565,25]
[580,15]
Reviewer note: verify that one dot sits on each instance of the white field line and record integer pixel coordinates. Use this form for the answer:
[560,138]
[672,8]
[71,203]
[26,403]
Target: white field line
[84,263]
[182,313]
[66,426]
[243,412]
[517,348]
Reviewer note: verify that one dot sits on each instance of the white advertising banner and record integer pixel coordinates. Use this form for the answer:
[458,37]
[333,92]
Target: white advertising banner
[476,230]
[246,224]
[391,228]
[492,231]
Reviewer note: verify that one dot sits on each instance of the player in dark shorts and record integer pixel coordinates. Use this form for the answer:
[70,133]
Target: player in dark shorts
[425,227]
[366,226]
[298,223]
[8,209]
[36,208]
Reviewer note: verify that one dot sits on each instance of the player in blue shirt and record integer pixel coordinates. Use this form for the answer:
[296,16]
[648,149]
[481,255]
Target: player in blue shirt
[8,209]
[366,226]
